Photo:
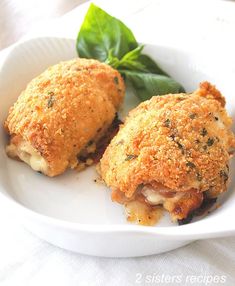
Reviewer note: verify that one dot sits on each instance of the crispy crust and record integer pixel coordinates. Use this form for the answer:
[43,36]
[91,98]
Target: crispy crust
[209,91]
[181,141]
[65,107]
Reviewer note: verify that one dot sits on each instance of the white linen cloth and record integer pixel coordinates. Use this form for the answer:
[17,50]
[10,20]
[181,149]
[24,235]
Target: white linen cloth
[27,260]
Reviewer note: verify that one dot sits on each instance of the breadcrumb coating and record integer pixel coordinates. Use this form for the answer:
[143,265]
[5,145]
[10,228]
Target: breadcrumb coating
[63,109]
[181,141]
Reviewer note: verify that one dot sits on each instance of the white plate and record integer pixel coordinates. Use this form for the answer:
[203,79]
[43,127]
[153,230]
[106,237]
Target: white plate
[74,212]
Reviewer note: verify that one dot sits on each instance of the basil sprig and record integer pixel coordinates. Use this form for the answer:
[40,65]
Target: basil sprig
[108,40]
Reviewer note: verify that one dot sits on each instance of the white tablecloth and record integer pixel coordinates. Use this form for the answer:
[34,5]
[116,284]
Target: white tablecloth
[27,260]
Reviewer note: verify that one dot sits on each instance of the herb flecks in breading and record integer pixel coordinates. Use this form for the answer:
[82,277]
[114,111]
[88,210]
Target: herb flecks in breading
[130,157]
[203,132]
[51,99]
[210,142]
[167,123]
[190,165]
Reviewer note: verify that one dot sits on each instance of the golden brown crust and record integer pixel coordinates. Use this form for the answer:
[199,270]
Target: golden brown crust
[209,91]
[181,141]
[65,107]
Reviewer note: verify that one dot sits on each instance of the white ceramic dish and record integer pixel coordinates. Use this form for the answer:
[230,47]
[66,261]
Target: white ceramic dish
[74,212]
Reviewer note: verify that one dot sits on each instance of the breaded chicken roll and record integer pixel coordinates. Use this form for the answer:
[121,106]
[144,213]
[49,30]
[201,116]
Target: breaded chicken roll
[173,151]
[62,114]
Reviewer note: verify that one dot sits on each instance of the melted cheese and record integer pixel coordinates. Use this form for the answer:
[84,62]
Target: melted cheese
[29,155]
[154,198]
[142,213]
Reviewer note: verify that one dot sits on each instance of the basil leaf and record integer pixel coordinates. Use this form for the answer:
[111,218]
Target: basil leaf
[135,61]
[148,84]
[129,61]
[101,33]
[112,60]
[150,65]
[108,40]
[133,55]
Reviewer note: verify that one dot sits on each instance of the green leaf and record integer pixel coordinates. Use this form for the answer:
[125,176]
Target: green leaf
[101,33]
[129,61]
[107,39]
[135,61]
[112,60]
[150,65]
[147,85]
[133,55]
